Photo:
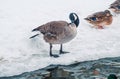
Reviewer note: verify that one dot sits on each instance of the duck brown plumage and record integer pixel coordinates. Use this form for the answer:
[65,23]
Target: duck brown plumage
[115,7]
[100,19]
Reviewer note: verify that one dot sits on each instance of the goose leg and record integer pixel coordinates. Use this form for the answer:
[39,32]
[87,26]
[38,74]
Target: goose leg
[51,52]
[50,49]
[61,50]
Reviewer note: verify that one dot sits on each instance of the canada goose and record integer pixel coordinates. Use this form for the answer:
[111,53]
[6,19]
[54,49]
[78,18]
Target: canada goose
[99,19]
[59,32]
[115,7]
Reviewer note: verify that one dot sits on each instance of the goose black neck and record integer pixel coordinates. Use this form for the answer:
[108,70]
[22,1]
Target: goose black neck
[74,18]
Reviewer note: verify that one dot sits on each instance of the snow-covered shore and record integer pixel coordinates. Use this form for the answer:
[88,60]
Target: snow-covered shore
[19,54]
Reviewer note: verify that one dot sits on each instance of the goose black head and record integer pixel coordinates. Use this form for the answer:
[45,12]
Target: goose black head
[74,18]
[112,76]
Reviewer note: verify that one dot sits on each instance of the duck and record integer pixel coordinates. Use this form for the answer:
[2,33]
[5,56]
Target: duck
[100,19]
[58,32]
[115,7]
[112,76]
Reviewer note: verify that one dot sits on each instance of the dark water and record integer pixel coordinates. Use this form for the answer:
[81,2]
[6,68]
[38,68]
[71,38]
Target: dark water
[82,70]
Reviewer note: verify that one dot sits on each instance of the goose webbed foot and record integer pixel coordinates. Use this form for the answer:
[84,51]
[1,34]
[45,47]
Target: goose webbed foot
[63,52]
[54,55]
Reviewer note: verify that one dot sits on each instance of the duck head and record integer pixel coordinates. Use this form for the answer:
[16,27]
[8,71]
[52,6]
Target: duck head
[112,76]
[74,18]
[108,13]
[115,8]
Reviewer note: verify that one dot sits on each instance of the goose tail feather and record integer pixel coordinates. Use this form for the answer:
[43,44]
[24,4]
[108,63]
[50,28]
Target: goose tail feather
[34,36]
[36,29]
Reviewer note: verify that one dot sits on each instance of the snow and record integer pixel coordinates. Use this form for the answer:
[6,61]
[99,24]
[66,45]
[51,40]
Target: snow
[20,54]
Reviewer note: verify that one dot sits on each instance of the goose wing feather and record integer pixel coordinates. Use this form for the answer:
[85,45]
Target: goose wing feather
[54,27]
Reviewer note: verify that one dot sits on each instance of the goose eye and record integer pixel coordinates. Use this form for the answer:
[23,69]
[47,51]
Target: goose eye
[93,18]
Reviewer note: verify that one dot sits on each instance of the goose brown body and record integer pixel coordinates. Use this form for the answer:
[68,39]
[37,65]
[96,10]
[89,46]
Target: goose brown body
[58,32]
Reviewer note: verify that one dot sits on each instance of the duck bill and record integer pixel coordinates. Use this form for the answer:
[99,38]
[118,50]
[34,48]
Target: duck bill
[87,19]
